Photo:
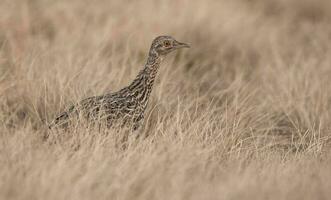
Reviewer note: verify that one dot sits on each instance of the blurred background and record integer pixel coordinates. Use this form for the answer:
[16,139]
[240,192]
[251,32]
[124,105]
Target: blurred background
[276,52]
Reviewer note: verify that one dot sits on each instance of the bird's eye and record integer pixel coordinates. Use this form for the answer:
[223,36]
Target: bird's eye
[166,43]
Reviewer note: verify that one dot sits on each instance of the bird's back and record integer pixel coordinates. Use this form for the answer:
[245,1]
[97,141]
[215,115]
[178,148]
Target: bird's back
[109,108]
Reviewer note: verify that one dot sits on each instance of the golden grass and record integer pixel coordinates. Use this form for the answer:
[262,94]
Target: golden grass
[244,114]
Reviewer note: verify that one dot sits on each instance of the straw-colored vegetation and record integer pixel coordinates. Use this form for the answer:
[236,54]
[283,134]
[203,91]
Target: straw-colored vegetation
[244,114]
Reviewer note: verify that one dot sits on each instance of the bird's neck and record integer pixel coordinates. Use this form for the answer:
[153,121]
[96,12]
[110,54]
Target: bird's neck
[142,85]
[152,66]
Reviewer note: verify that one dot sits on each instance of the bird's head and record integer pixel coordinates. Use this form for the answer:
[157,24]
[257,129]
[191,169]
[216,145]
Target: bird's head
[163,45]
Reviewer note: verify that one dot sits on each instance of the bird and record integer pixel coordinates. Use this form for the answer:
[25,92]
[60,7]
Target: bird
[127,106]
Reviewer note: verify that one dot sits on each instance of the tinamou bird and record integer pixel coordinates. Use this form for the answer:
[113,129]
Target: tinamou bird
[127,106]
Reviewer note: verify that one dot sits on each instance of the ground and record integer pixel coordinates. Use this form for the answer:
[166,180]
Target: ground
[245,113]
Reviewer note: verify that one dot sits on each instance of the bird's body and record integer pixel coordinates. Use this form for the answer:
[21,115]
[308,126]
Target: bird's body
[126,106]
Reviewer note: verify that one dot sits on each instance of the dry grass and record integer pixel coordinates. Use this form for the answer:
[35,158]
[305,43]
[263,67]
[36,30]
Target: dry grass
[244,114]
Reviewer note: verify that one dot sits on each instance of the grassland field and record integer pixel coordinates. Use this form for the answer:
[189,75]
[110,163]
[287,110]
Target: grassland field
[245,113]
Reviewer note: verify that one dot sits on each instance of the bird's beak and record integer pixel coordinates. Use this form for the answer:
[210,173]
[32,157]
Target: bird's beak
[181,45]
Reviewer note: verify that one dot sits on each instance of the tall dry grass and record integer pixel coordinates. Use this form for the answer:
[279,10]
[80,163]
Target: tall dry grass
[244,114]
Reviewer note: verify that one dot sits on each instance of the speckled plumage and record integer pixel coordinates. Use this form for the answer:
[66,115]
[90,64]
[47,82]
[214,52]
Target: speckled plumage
[127,105]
